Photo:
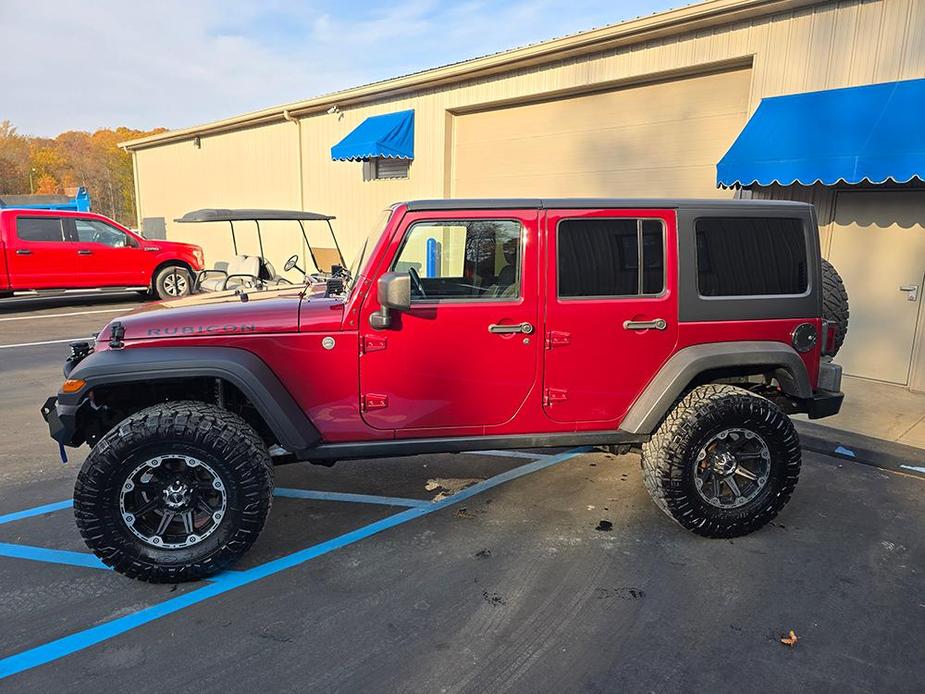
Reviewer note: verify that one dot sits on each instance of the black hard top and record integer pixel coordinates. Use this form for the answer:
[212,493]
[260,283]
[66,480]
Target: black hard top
[217,215]
[604,203]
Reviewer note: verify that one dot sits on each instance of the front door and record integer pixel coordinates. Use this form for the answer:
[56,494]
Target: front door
[611,310]
[878,247]
[466,353]
[108,257]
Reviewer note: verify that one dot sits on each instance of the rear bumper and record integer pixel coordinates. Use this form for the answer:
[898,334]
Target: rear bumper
[824,403]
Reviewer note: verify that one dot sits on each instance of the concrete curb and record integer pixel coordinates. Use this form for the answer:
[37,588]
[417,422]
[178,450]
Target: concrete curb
[866,450]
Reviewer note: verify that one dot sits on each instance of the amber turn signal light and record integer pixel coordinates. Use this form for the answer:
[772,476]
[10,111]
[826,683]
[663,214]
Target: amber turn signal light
[72,385]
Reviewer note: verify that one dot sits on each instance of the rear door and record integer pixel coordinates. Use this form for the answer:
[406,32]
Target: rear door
[38,257]
[465,355]
[611,310]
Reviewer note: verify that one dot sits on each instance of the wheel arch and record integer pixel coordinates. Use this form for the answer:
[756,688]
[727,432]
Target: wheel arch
[699,364]
[243,370]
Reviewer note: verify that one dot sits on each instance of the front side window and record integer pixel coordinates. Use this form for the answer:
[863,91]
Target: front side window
[751,256]
[610,257]
[468,259]
[39,229]
[93,231]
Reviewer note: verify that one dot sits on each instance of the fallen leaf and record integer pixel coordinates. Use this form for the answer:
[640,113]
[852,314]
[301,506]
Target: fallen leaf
[789,639]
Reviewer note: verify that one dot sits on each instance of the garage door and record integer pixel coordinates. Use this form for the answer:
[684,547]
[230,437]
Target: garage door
[878,247]
[659,139]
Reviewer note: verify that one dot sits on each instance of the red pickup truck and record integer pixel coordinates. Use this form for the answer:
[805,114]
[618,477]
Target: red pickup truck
[53,250]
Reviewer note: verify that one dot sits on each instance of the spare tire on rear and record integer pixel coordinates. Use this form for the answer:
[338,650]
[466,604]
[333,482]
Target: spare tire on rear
[834,303]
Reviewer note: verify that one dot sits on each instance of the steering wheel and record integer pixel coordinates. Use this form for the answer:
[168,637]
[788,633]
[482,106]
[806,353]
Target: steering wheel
[291,263]
[416,281]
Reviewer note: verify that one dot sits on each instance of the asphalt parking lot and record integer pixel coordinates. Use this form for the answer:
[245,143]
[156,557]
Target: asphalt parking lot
[508,581]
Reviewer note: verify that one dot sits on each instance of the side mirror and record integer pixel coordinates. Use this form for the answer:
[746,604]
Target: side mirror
[394,293]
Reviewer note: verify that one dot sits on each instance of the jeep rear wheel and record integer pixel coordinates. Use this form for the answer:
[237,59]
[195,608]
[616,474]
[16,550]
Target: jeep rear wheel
[723,463]
[176,492]
[173,282]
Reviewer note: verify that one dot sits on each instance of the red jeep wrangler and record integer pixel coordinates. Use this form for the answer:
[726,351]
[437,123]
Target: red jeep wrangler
[52,249]
[684,329]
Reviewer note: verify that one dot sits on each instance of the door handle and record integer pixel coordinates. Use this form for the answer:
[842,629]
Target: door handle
[525,328]
[84,251]
[23,251]
[656,324]
[912,291]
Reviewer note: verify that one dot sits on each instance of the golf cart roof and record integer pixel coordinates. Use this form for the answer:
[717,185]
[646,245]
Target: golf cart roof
[218,215]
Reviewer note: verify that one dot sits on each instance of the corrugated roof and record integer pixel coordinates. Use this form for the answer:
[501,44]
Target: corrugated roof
[686,18]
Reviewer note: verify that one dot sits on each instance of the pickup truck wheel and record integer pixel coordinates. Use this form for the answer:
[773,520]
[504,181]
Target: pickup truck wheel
[723,463]
[176,492]
[172,282]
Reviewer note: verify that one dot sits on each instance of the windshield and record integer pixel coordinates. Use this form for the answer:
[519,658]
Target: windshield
[372,236]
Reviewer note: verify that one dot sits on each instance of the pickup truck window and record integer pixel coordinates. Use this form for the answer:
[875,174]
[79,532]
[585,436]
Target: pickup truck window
[602,257]
[463,260]
[93,231]
[39,229]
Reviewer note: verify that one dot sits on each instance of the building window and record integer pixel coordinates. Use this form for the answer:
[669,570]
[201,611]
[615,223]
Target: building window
[611,257]
[751,256]
[382,168]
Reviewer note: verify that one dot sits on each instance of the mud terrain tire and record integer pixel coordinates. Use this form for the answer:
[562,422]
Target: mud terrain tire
[834,303]
[671,462]
[224,449]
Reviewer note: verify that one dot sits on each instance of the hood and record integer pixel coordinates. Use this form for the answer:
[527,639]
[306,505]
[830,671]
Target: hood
[224,313]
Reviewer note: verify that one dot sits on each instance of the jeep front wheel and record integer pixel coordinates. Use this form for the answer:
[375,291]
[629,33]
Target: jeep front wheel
[176,492]
[723,463]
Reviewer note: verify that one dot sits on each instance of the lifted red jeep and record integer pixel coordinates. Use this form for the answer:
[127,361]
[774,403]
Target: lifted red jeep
[684,329]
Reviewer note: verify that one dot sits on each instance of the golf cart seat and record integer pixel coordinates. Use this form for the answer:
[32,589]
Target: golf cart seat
[241,271]
[268,275]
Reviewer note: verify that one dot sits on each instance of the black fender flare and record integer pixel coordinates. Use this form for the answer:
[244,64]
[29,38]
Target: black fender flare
[245,370]
[688,363]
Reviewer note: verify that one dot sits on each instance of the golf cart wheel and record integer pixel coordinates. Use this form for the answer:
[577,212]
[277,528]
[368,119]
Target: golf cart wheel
[173,282]
[723,463]
[177,492]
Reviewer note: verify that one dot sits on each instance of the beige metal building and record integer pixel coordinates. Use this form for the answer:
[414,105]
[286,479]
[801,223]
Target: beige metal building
[646,107]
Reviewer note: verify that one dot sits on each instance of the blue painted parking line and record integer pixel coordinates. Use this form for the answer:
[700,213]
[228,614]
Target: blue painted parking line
[353,498]
[37,511]
[51,556]
[229,581]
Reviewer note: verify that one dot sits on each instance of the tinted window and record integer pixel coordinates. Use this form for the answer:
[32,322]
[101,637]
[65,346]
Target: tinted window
[39,229]
[478,259]
[610,257]
[750,256]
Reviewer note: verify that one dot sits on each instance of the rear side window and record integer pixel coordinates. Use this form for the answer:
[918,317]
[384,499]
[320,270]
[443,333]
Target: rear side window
[610,257]
[751,256]
[39,229]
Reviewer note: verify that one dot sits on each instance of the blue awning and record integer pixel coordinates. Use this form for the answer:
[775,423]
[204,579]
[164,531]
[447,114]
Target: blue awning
[390,136]
[873,133]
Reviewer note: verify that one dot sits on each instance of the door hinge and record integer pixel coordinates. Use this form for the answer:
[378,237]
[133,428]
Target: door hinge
[553,395]
[374,401]
[373,343]
[557,338]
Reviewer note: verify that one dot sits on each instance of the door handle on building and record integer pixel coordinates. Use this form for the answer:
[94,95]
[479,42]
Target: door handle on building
[912,291]
[656,324]
[525,328]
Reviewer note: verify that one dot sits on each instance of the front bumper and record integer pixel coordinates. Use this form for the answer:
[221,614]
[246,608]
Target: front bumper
[61,420]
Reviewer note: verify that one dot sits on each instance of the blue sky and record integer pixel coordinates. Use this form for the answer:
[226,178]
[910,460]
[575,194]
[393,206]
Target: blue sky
[174,63]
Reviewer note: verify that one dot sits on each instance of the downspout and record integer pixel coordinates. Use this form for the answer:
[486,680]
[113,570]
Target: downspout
[288,116]
[137,189]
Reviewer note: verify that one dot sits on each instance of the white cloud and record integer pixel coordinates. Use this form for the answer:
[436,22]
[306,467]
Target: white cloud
[176,63]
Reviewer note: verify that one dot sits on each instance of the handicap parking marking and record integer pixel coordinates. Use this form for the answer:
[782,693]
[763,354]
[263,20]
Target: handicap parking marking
[52,556]
[37,511]
[231,580]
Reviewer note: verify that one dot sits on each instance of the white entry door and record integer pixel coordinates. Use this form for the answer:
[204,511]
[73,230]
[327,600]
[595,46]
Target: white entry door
[878,247]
